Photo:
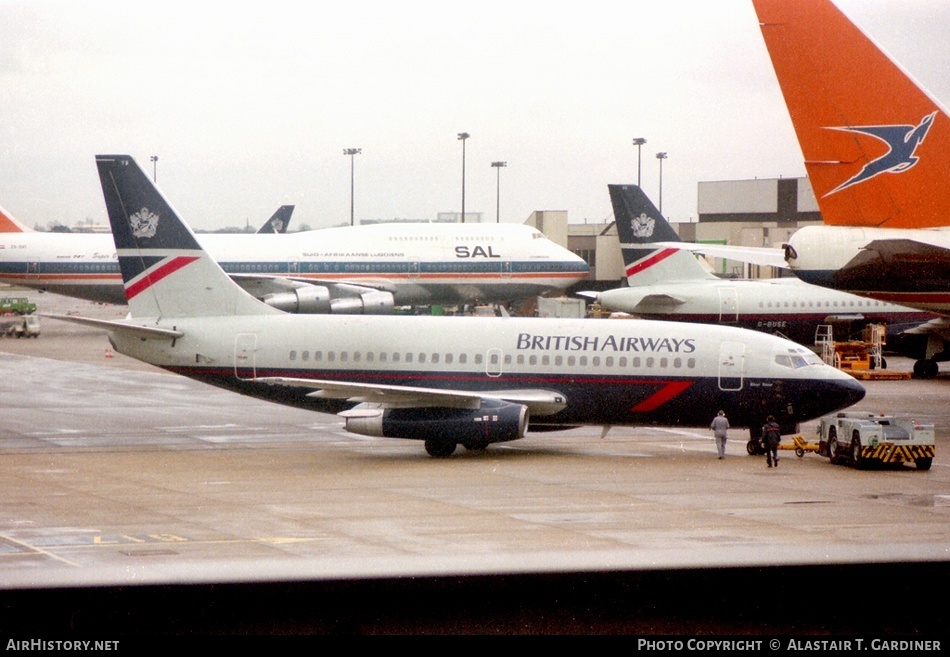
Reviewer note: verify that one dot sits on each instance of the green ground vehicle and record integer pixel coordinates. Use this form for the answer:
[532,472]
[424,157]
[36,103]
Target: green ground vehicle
[16,306]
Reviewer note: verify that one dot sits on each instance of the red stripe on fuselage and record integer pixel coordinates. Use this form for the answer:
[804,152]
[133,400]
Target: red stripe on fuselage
[637,267]
[154,276]
[669,390]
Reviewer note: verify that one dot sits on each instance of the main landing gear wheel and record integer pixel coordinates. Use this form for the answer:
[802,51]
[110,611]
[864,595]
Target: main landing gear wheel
[753,447]
[440,448]
[926,369]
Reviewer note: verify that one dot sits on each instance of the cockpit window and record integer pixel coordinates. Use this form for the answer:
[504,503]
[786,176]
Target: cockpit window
[795,359]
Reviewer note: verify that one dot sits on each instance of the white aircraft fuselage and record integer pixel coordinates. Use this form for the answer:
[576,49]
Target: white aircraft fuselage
[787,306]
[415,263]
[613,372]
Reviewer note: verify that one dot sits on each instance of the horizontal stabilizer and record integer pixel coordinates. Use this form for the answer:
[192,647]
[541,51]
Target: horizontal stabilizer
[136,330]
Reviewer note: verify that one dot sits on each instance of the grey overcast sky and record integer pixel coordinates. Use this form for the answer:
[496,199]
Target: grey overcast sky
[249,105]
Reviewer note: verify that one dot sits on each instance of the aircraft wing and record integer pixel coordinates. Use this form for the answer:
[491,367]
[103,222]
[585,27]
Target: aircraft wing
[539,402]
[905,263]
[260,285]
[939,326]
[140,331]
[755,255]
[905,250]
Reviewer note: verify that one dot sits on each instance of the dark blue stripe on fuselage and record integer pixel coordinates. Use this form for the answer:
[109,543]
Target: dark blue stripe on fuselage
[594,399]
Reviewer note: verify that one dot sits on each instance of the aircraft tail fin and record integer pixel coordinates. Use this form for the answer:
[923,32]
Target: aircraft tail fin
[165,271]
[279,220]
[640,227]
[10,225]
[876,145]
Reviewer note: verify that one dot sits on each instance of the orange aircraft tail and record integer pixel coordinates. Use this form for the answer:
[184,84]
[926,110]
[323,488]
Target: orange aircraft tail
[10,225]
[876,146]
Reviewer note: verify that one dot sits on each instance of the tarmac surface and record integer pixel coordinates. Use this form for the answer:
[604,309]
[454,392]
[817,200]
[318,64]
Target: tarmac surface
[136,501]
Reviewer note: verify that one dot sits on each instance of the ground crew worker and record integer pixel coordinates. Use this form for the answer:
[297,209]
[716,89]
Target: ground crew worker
[771,437]
[719,426]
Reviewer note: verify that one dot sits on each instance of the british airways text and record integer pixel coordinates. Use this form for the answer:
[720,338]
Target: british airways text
[610,343]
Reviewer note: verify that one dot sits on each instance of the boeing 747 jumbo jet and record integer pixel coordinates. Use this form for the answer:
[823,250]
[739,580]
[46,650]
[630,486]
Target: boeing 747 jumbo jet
[362,269]
[667,282]
[446,381]
[877,152]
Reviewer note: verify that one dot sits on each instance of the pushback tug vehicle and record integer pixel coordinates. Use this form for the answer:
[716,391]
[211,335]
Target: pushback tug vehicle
[862,439]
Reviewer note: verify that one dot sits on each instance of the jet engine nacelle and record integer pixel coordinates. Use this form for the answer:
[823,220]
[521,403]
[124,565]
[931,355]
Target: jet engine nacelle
[312,299]
[373,302]
[494,422]
[317,299]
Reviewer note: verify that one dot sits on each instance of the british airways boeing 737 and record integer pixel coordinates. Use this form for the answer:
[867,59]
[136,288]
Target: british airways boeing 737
[468,381]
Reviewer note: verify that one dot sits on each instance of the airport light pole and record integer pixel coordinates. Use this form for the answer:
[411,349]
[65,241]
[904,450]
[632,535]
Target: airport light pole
[462,137]
[498,167]
[351,152]
[154,159]
[638,142]
[661,156]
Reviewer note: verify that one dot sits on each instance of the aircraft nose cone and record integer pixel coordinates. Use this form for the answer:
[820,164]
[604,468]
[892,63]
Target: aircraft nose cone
[847,393]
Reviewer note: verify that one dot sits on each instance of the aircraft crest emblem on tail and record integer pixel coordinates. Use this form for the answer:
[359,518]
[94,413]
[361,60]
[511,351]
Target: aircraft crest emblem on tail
[901,140]
[643,225]
[144,223]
